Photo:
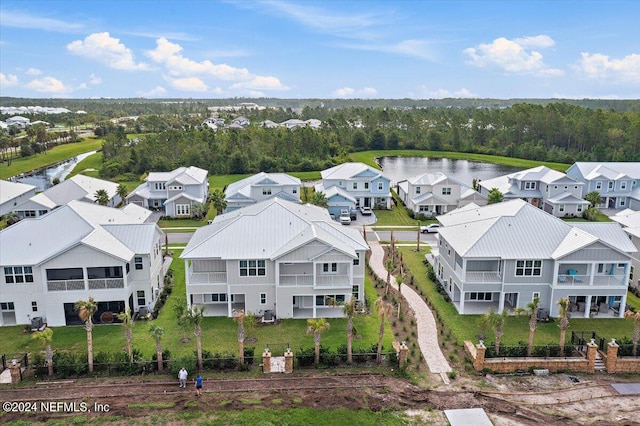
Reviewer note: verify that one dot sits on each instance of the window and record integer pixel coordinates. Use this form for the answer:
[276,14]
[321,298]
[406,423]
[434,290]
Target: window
[356,262]
[219,297]
[29,213]
[18,274]
[598,185]
[355,185]
[252,268]
[555,186]
[579,208]
[446,191]
[329,268]
[529,185]
[355,290]
[417,189]
[266,191]
[7,306]
[138,262]
[623,201]
[480,296]
[610,185]
[183,209]
[175,188]
[263,298]
[128,267]
[621,265]
[34,306]
[535,296]
[561,207]
[295,190]
[141,299]
[366,185]
[329,299]
[42,212]
[380,185]
[159,186]
[600,267]
[631,274]
[529,268]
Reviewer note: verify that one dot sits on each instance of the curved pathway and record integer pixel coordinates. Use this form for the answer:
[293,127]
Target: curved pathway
[426,322]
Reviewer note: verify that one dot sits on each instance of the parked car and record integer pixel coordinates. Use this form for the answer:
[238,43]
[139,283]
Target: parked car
[430,228]
[345,217]
[365,211]
[353,214]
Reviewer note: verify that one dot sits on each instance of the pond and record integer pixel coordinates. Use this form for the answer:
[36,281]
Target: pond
[401,168]
[42,179]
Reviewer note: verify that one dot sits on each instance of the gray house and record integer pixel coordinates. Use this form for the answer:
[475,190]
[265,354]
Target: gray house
[630,221]
[504,255]
[617,183]
[260,187]
[278,256]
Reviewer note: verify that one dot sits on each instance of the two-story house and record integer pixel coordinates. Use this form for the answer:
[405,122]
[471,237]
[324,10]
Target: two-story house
[278,256]
[78,250]
[78,187]
[260,187]
[175,192]
[617,183]
[550,190]
[369,187]
[504,255]
[14,193]
[630,221]
[434,194]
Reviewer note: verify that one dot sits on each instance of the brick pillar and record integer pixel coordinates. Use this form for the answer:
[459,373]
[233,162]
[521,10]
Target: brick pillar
[612,356]
[266,361]
[592,349]
[15,372]
[288,361]
[403,354]
[478,362]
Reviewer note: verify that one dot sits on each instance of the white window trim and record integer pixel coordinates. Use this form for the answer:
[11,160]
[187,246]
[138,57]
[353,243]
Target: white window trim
[263,296]
[524,268]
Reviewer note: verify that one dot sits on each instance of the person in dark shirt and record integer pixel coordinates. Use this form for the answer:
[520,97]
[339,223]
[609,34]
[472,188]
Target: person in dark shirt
[199,385]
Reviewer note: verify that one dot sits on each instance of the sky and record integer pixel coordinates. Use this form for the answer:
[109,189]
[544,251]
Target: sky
[320,49]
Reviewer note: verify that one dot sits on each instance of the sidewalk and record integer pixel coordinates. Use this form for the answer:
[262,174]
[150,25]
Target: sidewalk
[426,323]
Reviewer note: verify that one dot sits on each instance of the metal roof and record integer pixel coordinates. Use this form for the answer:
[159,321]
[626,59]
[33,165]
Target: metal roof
[77,187]
[274,179]
[11,190]
[610,170]
[350,170]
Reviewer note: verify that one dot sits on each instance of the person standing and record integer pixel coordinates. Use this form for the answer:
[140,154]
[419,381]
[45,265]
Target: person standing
[199,385]
[182,377]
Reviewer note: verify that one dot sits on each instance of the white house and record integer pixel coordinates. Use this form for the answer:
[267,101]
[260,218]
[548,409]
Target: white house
[504,255]
[260,187]
[630,221]
[18,121]
[78,187]
[76,251]
[277,256]
[435,193]
[550,190]
[14,193]
[175,192]
[617,183]
[369,187]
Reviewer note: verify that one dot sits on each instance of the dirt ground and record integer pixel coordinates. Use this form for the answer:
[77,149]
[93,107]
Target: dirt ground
[526,400]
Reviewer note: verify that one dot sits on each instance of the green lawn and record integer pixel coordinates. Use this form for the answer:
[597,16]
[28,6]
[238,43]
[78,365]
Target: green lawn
[633,301]
[54,155]
[218,334]
[396,216]
[90,166]
[465,327]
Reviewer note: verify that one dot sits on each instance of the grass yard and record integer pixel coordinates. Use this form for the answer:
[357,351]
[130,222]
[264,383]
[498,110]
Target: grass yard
[90,166]
[465,327]
[53,156]
[396,216]
[219,335]
[633,301]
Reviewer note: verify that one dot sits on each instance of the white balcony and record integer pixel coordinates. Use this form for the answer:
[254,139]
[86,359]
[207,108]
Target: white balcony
[333,281]
[483,277]
[65,285]
[598,280]
[106,283]
[207,277]
[291,280]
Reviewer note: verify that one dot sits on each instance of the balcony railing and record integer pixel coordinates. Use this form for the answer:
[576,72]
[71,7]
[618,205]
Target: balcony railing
[105,283]
[483,277]
[333,281]
[208,277]
[580,280]
[65,285]
[296,280]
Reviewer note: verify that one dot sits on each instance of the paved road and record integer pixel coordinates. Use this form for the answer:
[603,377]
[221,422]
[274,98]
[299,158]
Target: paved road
[179,237]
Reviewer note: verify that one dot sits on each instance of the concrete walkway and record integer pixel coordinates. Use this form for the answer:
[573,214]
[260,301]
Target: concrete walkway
[426,322]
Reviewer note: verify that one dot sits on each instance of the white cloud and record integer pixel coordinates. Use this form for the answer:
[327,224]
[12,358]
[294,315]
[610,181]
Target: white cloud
[155,92]
[94,79]
[513,56]
[599,66]
[33,71]
[260,83]
[103,48]
[25,20]
[365,92]
[48,85]
[444,93]
[8,80]
[417,48]
[343,92]
[256,94]
[368,91]
[188,84]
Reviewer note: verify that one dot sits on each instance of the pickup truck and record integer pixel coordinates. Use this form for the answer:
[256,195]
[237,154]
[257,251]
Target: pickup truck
[345,217]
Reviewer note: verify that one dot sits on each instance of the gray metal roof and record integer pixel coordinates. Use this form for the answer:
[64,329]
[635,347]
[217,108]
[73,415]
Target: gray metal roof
[349,170]
[11,190]
[77,187]
[139,238]
[609,170]
[275,179]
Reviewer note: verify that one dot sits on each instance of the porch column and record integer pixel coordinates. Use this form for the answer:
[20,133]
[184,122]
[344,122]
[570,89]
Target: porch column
[461,302]
[623,303]
[85,277]
[501,302]
[587,307]
[593,268]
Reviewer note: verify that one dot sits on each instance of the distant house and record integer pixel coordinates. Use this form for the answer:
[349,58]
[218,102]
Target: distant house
[77,251]
[78,187]
[12,194]
[434,194]
[369,187]
[241,121]
[550,190]
[630,221]
[504,255]
[276,255]
[175,192]
[617,183]
[18,121]
[262,186]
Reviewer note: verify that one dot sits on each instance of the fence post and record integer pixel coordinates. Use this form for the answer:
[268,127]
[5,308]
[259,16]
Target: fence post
[288,361]
[25,360]
[592,349]
[4,361]
[266,361]
[478,362]
[612,356]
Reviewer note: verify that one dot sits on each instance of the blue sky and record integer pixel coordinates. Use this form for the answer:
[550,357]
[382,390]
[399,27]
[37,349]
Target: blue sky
[324,49]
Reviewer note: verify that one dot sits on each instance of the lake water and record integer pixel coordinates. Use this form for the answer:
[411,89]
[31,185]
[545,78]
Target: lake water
[401,168]
[42,178]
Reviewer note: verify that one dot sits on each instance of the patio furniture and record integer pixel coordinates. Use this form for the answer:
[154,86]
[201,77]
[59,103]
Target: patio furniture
[542,315]
[604,308]
[581,306]
[268,317]
[562,279]
[573,273]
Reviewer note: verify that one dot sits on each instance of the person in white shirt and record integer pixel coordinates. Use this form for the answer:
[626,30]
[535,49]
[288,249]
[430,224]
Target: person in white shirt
[182,377]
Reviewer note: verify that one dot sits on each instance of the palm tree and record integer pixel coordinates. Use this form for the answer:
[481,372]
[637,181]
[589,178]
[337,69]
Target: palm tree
[122,192]
[399,280]
[563,313]
[532,312]
[349,311]
[194,317]
[594,198]
[218,200]
[102,197]
[157,332]
[390,266]
[636,330]
[45,337]
[238,317]
[383,309]
[86,309]
[319,199]
[495,321]
[317,326]
[127,323]
[495,196]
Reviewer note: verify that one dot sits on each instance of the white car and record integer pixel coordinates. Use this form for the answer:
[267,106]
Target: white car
[430,228]
[345,217]
[365,211]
